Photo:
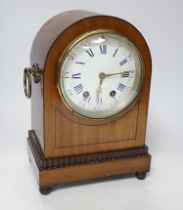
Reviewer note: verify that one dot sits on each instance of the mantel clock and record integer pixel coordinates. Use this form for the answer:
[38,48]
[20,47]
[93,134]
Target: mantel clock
[89,84]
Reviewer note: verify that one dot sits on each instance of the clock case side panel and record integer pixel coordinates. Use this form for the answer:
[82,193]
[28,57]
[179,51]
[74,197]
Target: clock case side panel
[52,98]
[39,51]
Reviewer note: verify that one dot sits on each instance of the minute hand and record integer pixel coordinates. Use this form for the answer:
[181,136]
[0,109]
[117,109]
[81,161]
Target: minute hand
[108,75]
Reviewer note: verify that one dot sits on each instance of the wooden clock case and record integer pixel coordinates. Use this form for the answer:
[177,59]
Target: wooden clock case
[65,147]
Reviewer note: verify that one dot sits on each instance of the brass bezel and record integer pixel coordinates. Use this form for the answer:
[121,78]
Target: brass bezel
[69,48]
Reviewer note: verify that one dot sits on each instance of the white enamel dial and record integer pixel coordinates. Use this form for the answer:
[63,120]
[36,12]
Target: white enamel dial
[100,75]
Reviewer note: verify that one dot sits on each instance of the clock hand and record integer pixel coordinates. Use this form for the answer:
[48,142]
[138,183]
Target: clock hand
[102,76]
[99,89]
[107,75]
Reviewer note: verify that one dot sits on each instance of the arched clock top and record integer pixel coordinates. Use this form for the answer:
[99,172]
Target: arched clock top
[49,32]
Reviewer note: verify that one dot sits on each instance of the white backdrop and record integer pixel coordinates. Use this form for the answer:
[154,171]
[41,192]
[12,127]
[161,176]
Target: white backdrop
[160,22]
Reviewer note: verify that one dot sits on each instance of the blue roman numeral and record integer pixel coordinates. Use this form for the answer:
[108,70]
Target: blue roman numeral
[90,52]
[76,76]
[123,62]
[103,49]
[121,87]
[80,62]
[125,74]
[115,52]
[78,88]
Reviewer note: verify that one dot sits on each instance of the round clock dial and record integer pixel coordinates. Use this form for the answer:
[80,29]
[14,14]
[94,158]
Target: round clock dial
[100,74]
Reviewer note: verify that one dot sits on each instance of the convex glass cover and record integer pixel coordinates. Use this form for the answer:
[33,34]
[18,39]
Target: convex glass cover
[100,74]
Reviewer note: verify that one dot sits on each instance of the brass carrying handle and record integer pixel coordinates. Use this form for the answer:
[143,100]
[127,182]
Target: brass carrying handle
[27,82]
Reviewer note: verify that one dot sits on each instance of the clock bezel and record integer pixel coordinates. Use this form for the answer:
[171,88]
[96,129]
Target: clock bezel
[130,104]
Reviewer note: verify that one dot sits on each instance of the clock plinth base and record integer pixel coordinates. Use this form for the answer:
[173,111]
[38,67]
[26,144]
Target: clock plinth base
[60,170]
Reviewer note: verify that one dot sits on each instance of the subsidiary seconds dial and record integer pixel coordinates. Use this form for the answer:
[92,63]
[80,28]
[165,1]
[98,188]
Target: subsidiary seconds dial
[100,74]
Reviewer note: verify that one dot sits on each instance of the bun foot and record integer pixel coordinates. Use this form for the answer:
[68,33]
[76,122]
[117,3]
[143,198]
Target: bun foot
[140,175]
[45,190]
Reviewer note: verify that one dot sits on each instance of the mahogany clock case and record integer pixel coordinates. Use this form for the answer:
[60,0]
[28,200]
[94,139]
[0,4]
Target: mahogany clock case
[66,147]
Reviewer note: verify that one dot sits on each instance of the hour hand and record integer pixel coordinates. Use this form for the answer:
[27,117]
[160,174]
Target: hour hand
[99,89]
